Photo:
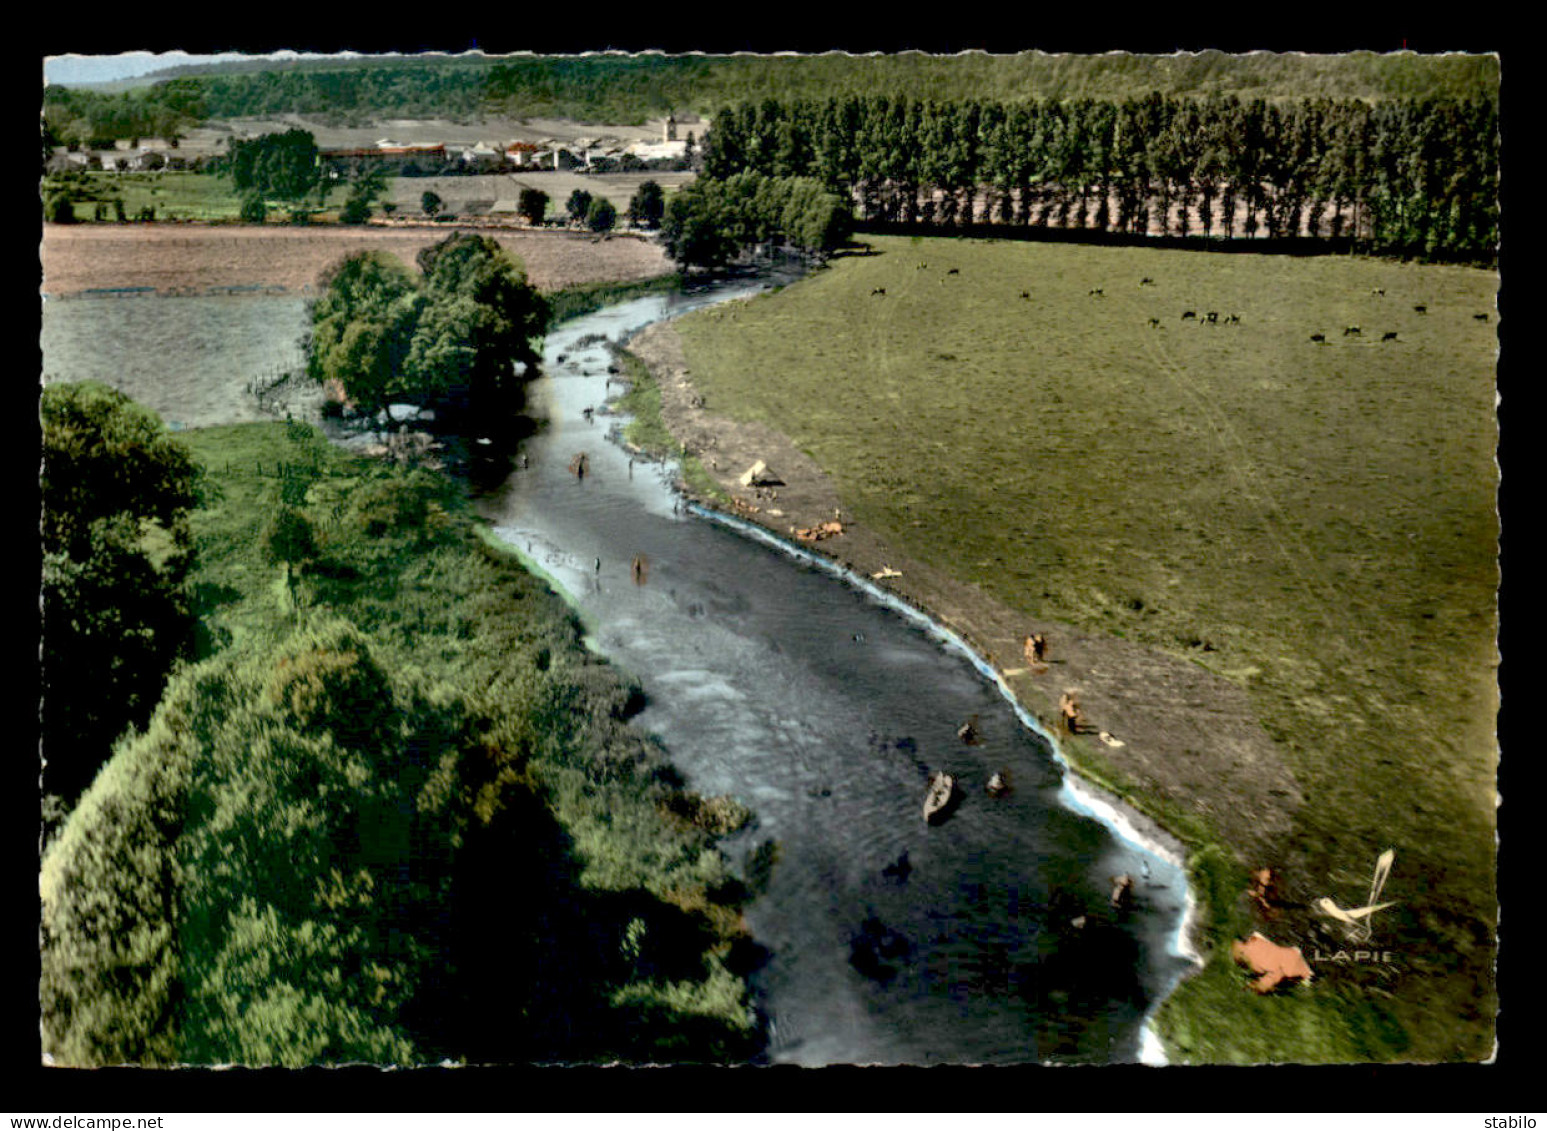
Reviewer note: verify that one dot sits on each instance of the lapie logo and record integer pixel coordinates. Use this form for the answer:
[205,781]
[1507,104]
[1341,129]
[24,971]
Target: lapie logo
[1360,921]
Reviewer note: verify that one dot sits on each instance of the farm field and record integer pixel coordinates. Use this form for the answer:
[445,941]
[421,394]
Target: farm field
[457,192]
[207,198]
[1312,522]
[175,258]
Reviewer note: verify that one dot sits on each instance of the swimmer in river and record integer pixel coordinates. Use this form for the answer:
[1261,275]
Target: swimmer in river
[598,565]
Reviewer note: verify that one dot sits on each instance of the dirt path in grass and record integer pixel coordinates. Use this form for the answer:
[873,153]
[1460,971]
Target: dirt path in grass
[1165,727]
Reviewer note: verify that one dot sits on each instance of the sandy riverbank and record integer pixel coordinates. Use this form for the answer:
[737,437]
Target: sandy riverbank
[1170,730]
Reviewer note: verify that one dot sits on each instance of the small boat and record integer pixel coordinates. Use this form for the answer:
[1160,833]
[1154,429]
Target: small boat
[937,802]
[998,784]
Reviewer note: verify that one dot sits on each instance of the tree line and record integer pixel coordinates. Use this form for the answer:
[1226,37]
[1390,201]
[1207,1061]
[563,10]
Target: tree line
[629,88]
[708,223]
[1415,178]
[85,119]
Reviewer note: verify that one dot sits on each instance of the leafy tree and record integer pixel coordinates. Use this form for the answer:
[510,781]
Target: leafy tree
[691,228]
[648,205]
[430,202]
[59,208]
[254,210]
[279,165]
[533,206]
[362,328]
[253,879]
[578,206]
[481,321]
[455,336]
[366,185]
[356,210]
[117,491]
[601,215]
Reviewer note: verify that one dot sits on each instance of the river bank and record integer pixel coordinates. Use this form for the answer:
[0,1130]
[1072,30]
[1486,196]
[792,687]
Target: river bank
[1145,790]
[1166,736]
[1259,587]
[984,939]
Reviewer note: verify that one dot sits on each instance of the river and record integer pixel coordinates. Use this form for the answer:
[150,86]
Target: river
[987,939]
[887,941]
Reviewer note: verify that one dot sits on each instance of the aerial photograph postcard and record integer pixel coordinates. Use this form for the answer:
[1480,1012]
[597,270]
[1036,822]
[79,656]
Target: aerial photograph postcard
[816,558]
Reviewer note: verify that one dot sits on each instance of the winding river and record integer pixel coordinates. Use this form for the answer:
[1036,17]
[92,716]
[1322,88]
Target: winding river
[986,939]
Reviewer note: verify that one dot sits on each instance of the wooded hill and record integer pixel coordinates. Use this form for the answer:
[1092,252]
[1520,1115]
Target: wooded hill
[623,88]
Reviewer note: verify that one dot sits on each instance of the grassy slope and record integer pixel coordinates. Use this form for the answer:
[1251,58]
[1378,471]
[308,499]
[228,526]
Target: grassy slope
[1322,516]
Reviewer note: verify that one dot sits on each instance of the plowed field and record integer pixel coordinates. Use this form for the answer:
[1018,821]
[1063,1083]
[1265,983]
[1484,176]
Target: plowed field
[187,258]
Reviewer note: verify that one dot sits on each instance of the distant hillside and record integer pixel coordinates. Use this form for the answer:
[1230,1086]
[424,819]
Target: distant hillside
[630,88]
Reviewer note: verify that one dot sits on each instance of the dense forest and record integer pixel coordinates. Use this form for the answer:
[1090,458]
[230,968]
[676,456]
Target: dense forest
[1414,178]
[623,88]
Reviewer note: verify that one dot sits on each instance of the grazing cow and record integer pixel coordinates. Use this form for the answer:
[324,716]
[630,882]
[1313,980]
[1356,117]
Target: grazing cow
[1379,292]
[1035,648]
[878,290]
[1097,291]
[1146,282]
[1189,314]
[1025,294]
[1234,319]
[1212,316]
[1154,323]
[1420,308]
[1389,336]
[1321,338]
[920,266]
[1480,317]
[953,271]
[1347,330]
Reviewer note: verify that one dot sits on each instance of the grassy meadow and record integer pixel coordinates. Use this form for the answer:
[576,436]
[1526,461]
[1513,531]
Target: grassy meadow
[1314,521]
[174,196]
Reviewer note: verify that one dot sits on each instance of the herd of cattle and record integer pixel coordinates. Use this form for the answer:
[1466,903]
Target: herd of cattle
[1214,317]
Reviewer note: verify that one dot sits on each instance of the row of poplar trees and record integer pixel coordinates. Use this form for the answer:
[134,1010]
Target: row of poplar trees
[1412,177]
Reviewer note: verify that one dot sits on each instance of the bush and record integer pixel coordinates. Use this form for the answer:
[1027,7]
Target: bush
[59,209]
[601,216]
[254,209]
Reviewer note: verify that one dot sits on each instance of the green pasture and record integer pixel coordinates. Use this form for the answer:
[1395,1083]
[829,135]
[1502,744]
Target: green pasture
[1313,521]
[174,196]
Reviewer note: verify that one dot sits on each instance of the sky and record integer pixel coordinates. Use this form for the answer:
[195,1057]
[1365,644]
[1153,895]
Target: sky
[110,68]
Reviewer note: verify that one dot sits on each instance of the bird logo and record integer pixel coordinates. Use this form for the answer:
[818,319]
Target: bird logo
[1359,919]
